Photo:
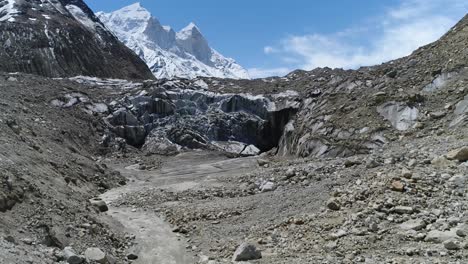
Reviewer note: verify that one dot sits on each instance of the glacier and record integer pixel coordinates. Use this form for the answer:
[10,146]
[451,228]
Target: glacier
[169,54]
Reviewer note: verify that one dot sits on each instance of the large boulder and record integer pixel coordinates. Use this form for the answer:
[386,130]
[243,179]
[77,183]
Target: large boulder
[460,154]
[246,252]
[95,255]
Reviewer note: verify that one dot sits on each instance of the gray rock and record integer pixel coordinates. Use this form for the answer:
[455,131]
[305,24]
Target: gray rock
[267,187]
[71,257]
[290,173]
[132,256]
[437,236]
[99,204]
[403,210]
[413,224]
[462,230]
[96,255]
[333,204]
[262,162]
[452,244]
[57,237]
[246,252]
[460,154]
[401,116]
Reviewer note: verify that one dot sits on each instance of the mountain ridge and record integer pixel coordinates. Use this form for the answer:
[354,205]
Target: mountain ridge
[62,39]
[169,54]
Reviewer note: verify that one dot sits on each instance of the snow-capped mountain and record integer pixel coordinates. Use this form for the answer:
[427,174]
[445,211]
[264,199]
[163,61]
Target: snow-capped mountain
[62,38]
[168,53]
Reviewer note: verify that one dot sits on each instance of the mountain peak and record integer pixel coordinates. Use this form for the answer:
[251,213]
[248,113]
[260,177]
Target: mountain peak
[134,6]
[134,11]
[189,29]
[191,26]
[168,54]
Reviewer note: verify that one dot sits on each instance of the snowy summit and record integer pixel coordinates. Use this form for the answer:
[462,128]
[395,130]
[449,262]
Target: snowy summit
[184,54]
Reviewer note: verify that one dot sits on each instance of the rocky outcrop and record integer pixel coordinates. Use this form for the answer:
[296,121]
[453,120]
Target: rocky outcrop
[63,39]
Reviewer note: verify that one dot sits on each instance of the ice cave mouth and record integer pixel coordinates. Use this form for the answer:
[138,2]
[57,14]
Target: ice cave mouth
[164,120]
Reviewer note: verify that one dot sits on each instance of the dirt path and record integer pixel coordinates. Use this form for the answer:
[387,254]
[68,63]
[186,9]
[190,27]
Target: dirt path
[155,241]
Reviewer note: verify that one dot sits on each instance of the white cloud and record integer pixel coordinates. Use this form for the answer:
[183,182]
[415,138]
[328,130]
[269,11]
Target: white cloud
[261,72]
[395,34]
[269,50]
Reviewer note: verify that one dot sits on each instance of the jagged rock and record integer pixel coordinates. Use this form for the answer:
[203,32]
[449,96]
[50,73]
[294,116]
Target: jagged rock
[160,146]
[56,237]
[460,154]
[95,255]
[246,252]
[401,116]
[267,187]
[461,112]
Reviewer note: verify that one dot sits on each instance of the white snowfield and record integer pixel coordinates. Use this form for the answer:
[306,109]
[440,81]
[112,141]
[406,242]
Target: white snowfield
[185,54]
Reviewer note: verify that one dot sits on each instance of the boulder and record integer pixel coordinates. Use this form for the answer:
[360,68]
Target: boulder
[132,256]
[460,154]
[413,224]
[57,238]
[452,244]
[99,204]
[246,252]
[71,257]
[333,204]
[95,255]
[397,186]
[437,236]
[462,230]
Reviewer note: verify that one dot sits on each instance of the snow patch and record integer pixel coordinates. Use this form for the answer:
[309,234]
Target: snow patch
[81,16]
[106,83]
[8,11]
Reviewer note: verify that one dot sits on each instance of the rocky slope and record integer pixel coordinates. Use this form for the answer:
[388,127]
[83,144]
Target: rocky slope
[351,112]
[62,38]
[49,171]
[169,54]
[366,166]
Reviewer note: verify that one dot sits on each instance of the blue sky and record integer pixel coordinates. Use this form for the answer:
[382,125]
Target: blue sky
[272,37]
